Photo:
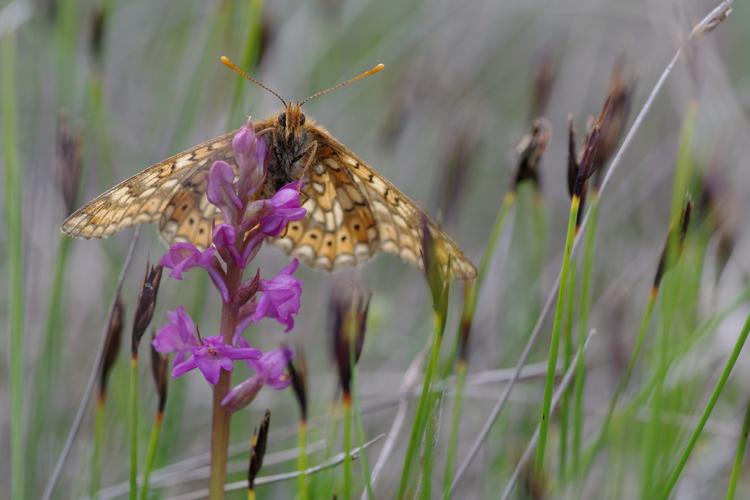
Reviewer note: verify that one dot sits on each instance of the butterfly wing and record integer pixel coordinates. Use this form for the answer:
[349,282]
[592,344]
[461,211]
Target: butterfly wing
[189,216]
[339,229]
[353,211]
[148,195]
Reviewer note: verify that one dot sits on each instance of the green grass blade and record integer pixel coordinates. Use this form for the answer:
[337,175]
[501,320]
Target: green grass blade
[739,455]
[14,222]
[423,406]
[555,341]
[718,388]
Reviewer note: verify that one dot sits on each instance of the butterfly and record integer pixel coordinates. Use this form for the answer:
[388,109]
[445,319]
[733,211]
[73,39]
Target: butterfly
[352,210]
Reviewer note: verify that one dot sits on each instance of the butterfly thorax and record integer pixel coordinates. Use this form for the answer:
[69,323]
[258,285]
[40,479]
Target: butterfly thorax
[289,142]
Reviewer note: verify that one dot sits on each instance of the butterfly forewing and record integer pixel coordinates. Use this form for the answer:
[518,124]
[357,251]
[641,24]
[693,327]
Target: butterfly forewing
[147,195]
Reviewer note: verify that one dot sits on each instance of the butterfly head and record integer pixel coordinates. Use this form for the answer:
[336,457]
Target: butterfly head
[289,123]
[290,140]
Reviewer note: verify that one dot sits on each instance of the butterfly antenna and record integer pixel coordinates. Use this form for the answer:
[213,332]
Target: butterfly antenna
[228,63]
[369,72]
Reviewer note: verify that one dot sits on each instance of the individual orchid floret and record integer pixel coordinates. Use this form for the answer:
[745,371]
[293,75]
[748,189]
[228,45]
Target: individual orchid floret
[281,209]
[269,370]
[250,154]
[182,257]
[221,191]
[211,355]
[177,336]
[280,297]
[225,242]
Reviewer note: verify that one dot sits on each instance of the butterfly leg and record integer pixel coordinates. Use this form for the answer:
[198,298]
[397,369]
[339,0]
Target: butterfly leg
[310,152]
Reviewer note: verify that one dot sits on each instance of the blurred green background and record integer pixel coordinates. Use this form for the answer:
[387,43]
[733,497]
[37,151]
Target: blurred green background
[441,123]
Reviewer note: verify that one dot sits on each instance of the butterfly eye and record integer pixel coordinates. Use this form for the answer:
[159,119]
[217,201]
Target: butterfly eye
[301,119]
[282,119]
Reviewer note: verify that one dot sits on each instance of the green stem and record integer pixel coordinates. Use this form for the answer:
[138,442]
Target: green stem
[428,449]
[450,461]
[47,365]
[423,405]
[677,471]
[347,447]
[489,252]
[302,460]
[133,427]
[472,295]
[622,385]
[567,359]
[360,428]
[14,244]
[583,323]
[739,455]
[153,442]
[555,341]
[96,456]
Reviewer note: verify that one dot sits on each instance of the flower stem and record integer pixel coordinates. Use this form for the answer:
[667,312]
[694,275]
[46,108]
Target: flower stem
[568,352]
[13,184]
[151,454]
[96,458]
[450,461]
[302,460]
[583,322]
[423,407]
[555,341]
[133,426]
[221,418]
[347,446]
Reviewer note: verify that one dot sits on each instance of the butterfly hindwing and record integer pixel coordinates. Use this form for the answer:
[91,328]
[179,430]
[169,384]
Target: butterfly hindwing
[398,218]
[189,216]
[353,212]
[339,228]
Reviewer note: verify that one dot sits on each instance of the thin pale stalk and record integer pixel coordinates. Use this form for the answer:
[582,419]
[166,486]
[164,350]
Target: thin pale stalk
[623,384]
[484,265]
[472,297]
[153,443]
[566,380]
[93,375]
[47,365]
[674,476]
[285,476]
[739,455]
[540,229]
[221,418]
[555,341]
[13,181]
